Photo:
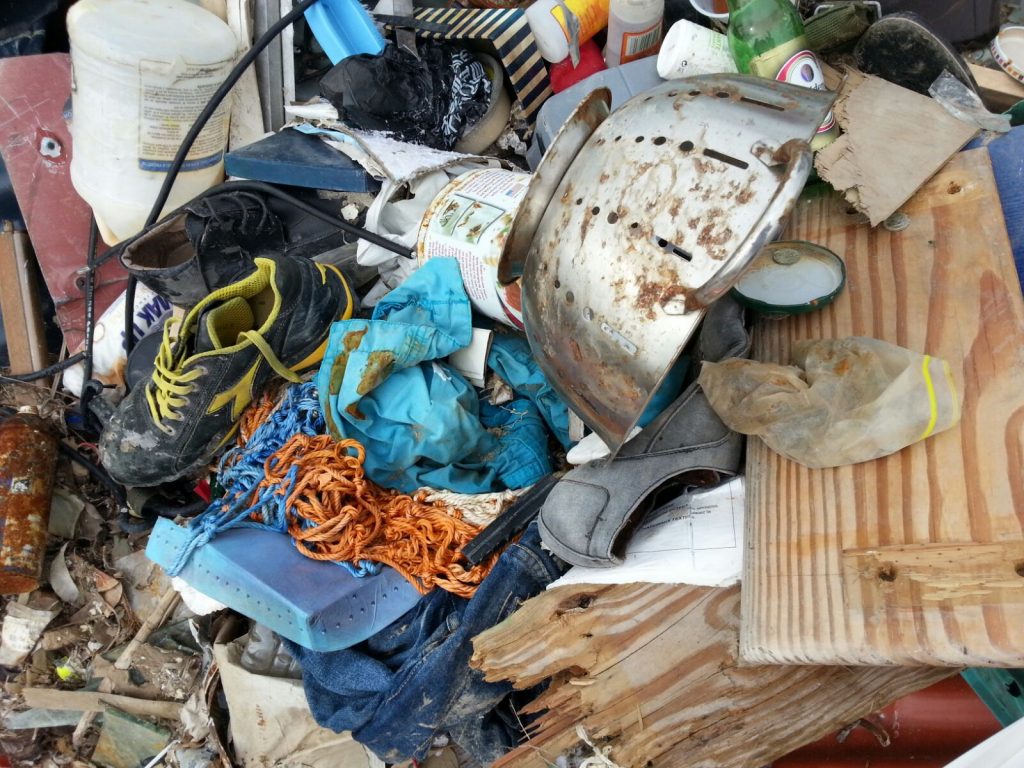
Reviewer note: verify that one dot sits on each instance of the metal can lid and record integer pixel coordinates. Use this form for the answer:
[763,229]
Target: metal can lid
[790,277]
[1008,50]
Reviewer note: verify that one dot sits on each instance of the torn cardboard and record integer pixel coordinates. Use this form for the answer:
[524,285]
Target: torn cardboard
[893,141]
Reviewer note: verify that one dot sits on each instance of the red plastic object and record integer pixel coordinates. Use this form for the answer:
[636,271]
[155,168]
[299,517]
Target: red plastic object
[36,147]
[927,729]
[564,75]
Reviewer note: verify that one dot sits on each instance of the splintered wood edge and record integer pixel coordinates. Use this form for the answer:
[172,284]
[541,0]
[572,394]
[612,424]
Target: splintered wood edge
[669,688]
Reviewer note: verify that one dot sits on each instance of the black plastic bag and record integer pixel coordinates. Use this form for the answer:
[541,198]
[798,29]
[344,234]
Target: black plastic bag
[430,100]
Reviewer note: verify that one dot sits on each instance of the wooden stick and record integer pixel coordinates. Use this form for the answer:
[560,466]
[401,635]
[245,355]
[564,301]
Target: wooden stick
[88,701]
[157,617]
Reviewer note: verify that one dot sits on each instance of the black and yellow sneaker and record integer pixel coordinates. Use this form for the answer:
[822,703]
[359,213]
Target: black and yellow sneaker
[273,323]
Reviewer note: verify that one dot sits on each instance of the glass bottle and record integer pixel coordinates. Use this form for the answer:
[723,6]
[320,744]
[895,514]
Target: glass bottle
[767,39]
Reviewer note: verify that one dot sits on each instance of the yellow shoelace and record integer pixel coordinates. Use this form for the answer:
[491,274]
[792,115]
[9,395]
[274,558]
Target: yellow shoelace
[171,385]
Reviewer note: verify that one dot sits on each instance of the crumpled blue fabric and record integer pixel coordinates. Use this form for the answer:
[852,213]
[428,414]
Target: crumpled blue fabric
[418,419]
[510,357]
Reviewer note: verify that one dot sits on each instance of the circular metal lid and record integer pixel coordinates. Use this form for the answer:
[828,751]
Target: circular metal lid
[790,277]
[1008,50]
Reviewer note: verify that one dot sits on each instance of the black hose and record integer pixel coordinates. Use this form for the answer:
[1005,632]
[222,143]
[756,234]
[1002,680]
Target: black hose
[98,473]
[186,146]
[90,299]
[50,370]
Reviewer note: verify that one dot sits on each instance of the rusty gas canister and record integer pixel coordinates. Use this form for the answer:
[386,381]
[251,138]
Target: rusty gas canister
[28,461]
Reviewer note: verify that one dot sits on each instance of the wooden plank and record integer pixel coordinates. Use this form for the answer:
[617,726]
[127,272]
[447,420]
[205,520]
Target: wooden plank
[651,671]
[86,701]
[916,557]
[999,91]
[19,303]
[893,141]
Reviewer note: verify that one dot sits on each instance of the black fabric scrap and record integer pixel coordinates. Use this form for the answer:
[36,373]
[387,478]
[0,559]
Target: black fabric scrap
[430,100]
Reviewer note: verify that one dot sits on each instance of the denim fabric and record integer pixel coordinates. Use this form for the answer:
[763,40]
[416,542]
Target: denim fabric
[412,681]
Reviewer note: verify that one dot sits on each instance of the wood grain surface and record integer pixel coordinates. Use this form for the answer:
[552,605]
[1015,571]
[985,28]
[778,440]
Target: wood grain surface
[649,671]
[917,557]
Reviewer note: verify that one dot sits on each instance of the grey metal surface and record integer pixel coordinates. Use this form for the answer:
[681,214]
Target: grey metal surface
[624,82]
[666,203]
[578,127]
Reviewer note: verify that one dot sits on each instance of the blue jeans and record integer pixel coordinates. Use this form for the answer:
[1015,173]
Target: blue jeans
[411,682]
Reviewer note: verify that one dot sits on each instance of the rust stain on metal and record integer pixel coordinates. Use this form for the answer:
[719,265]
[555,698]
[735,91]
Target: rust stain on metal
[575,347]
[648,296]
[28,460]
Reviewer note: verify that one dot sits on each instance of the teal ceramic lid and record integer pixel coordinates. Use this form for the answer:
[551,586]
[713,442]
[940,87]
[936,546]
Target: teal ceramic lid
[790,277]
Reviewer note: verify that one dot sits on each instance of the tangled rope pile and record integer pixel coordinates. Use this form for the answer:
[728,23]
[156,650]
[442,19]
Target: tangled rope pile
[286,476]
[334,512]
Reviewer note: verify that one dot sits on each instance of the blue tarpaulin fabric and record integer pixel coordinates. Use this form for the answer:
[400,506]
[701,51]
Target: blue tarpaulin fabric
[418,419]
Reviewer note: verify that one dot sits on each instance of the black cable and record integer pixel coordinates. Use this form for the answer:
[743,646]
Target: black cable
[186,145]
[88,392]
[90,298]
[50,370]
[98,473]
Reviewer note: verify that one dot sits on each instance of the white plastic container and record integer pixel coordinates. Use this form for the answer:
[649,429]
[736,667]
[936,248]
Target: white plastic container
[634,30]
[690,49]
[108,355]
[548,24]
[142,70]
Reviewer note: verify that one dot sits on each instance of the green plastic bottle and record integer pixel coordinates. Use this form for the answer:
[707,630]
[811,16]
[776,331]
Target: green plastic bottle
[767,39]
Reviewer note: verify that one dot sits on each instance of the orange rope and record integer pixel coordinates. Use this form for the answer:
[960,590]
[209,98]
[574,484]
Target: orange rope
[335,513]
[256,413]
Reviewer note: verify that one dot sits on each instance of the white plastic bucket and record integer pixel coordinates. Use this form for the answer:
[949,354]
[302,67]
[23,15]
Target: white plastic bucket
[469,221]
[142,70]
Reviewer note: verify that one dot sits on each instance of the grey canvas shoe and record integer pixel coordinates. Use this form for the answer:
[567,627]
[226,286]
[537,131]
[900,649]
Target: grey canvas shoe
[587,517]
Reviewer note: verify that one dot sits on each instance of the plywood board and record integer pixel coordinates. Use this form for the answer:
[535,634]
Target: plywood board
[917,557]
[650,673]
[893,140]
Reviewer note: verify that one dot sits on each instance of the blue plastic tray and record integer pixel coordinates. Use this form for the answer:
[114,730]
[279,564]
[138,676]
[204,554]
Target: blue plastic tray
[262,575]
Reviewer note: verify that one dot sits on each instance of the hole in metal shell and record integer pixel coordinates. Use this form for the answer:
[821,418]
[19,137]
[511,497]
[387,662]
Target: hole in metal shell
[735,161]
[595,210]
[723,94]
[639,139]
[659,141]
[613,217]
[686,146]
[558,283]
[694,92]
[570,297]
[579,201]
[634,225]
[674,249]
[764,104]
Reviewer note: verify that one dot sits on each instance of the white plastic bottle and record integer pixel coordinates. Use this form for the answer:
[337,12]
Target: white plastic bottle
[634,30]
[550,28]
[142,70]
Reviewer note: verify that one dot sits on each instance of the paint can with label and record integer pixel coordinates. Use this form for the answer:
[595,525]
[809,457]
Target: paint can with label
[469,221]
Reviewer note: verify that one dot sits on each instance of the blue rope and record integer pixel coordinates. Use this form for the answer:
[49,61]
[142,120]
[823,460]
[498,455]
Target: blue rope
[241,470]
